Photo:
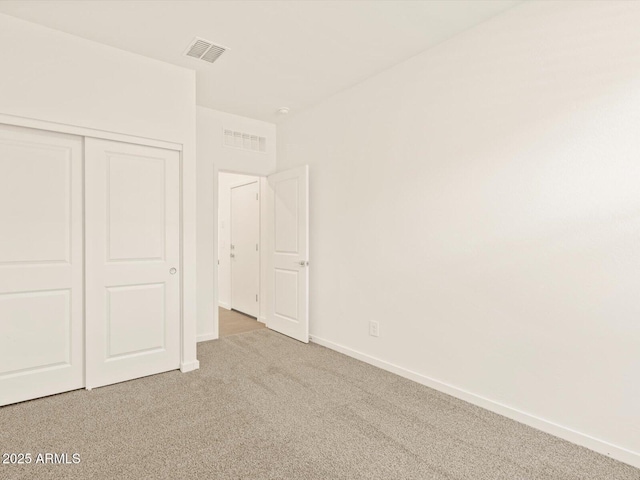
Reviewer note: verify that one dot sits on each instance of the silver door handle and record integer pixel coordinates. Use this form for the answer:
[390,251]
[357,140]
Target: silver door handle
[302,263]
[232,255]
[172,271]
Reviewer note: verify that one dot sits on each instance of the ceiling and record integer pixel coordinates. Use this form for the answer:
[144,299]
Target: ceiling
[283,53]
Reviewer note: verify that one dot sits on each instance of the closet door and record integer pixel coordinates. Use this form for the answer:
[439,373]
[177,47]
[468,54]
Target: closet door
[41,324]
[132,261]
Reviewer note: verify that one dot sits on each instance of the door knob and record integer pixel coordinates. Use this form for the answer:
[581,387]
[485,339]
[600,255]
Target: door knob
[302,263]
[233,255]
[173,271]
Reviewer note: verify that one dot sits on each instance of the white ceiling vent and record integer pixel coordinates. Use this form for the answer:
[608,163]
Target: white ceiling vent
[204,50]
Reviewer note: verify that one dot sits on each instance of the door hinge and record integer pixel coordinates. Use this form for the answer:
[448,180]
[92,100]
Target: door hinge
[256,297]
[256,196]
[256,247]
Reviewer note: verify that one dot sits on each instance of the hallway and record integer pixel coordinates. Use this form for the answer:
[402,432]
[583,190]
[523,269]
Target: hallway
[232,323]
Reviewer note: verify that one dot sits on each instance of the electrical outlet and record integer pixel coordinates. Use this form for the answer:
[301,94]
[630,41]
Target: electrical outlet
[374,329]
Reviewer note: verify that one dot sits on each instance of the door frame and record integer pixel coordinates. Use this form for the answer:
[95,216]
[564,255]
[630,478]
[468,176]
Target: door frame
[261,258]
[188,360]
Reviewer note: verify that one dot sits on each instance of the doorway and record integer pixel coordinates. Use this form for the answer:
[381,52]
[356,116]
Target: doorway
[282,251]
[239,253]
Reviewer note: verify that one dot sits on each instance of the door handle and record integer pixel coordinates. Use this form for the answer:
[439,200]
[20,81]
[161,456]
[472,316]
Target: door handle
[232,255]
[172,271]
[303,263]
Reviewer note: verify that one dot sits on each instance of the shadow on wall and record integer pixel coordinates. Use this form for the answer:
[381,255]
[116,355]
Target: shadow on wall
[484,209]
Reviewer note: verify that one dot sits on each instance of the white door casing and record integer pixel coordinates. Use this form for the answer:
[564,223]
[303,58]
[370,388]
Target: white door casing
[132,261]
[288,271]
[245,255]
[41,271]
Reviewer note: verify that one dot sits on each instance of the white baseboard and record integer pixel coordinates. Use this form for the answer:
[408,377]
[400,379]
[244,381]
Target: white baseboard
[189,366]
[204,337]
[262,319]
[573,436]
[224,305]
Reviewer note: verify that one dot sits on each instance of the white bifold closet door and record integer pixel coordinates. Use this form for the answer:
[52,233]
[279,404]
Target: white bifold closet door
[41,284]
[132,261]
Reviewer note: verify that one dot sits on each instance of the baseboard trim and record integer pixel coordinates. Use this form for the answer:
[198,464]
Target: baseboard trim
[189,366]
[573,436]
[204,337]
[224,305]
[262,320]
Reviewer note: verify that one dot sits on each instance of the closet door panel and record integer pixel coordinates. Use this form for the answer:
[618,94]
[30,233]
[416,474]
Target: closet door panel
[133,260]
[41,264]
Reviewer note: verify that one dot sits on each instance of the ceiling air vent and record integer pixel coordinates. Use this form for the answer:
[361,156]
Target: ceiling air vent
[202,49]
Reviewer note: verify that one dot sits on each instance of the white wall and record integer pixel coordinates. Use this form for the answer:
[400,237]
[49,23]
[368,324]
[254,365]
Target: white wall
[481,202]
[212,157]
[226,181]
[54,76]
[51,76]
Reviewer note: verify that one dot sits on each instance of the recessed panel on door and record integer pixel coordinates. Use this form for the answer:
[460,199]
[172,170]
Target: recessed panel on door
[133,261]
[36,202]
[136,205]
[136,320]
[286,294]
[41,321]
[286,215]
[36,329]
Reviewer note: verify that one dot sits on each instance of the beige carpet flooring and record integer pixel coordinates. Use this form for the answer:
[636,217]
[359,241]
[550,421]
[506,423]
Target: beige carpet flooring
[263,406]
[232,323]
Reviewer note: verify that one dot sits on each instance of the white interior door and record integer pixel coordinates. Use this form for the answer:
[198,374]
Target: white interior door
[288,271]
[245,240]
[132,261]
[41,324]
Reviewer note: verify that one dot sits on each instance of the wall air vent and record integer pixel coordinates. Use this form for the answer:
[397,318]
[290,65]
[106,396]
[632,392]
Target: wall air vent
[244,141]
[204,50]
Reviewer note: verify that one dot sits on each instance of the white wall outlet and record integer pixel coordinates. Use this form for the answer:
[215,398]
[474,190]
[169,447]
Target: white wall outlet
[374,329]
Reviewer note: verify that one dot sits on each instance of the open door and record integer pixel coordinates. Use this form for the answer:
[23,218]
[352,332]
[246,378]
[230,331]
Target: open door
[288,271]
